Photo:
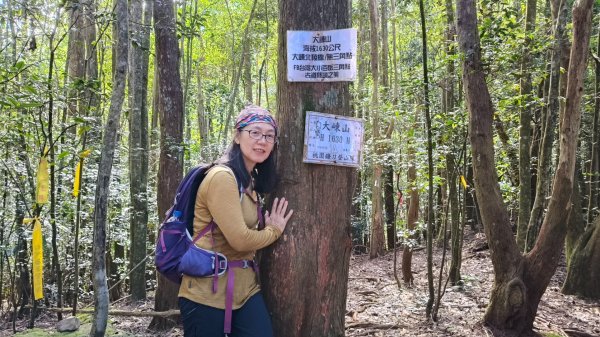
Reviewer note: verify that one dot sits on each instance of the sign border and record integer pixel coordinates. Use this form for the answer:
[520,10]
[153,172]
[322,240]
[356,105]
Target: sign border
[307,160]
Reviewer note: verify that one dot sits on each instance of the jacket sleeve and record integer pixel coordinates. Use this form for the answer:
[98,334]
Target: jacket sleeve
[223,201]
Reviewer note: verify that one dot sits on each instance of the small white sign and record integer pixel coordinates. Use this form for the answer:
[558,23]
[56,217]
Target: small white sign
[332,139]
[321,56]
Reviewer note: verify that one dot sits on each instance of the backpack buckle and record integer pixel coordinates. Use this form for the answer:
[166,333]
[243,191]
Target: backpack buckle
[222,264]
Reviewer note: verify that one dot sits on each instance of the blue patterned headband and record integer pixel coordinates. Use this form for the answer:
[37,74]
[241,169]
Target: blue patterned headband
[254,114]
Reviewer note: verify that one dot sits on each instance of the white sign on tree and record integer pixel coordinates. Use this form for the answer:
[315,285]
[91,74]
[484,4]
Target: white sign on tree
[332,139]
[321,56]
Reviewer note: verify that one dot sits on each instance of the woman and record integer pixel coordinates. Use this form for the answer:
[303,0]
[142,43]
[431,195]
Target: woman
[232,303]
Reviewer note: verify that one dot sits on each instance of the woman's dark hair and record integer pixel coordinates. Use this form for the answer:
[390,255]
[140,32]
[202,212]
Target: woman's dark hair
[264,174]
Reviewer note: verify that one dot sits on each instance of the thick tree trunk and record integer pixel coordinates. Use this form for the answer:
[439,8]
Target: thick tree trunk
[170,111]
[576,222]
[525,130]
[105,170]
[138,147]
[520,281]
[583,272]
[377,242]
[311,259]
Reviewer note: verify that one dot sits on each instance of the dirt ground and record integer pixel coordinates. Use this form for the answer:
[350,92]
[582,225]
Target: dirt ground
[376,306]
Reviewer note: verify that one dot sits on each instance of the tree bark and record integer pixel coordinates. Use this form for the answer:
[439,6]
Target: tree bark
[309,259]
[525,130]
[388,193]
[388,168]
[237,74]
[247,76]
[412,214]
[170,110]
[430,216]
[456,230]
[112,270]
[544,171]
[583,272]
[594,171]
[105,170]
[520,281]
[138,147]
[377,242]
[576,224]
[385,50]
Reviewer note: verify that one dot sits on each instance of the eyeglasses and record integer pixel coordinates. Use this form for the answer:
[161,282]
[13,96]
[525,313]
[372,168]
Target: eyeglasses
[255,134]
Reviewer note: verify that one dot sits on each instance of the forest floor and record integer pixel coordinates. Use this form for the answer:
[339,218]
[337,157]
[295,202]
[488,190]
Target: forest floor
[378,307]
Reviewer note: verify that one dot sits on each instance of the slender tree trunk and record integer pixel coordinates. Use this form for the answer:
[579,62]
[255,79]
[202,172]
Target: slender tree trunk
[247,76]
[594,171]
[201,116]
[377,243]
[388,169]
[385,50]
[456,230]
[114,277]
[412,214]
[362,59]
[520,281]
[525,130]
[309,259]
[138,147]
[3,256]
[89,107]
[544,170]
[388,193]
[105,170]
[238,72]
[430,217]
[511,151]
[395,94]
[170,110]
[23,288]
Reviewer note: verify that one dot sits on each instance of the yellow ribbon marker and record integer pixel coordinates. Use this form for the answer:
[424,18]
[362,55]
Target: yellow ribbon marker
[463,181]
[43,181]
[78,172]
[37,256]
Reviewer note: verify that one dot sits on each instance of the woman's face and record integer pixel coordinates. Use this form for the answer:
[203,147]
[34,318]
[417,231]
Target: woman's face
[256,143]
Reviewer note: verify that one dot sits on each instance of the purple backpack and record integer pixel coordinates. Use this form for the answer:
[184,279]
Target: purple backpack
[173,238]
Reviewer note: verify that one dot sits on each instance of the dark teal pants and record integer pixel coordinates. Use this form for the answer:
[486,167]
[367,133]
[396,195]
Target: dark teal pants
[251,320]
